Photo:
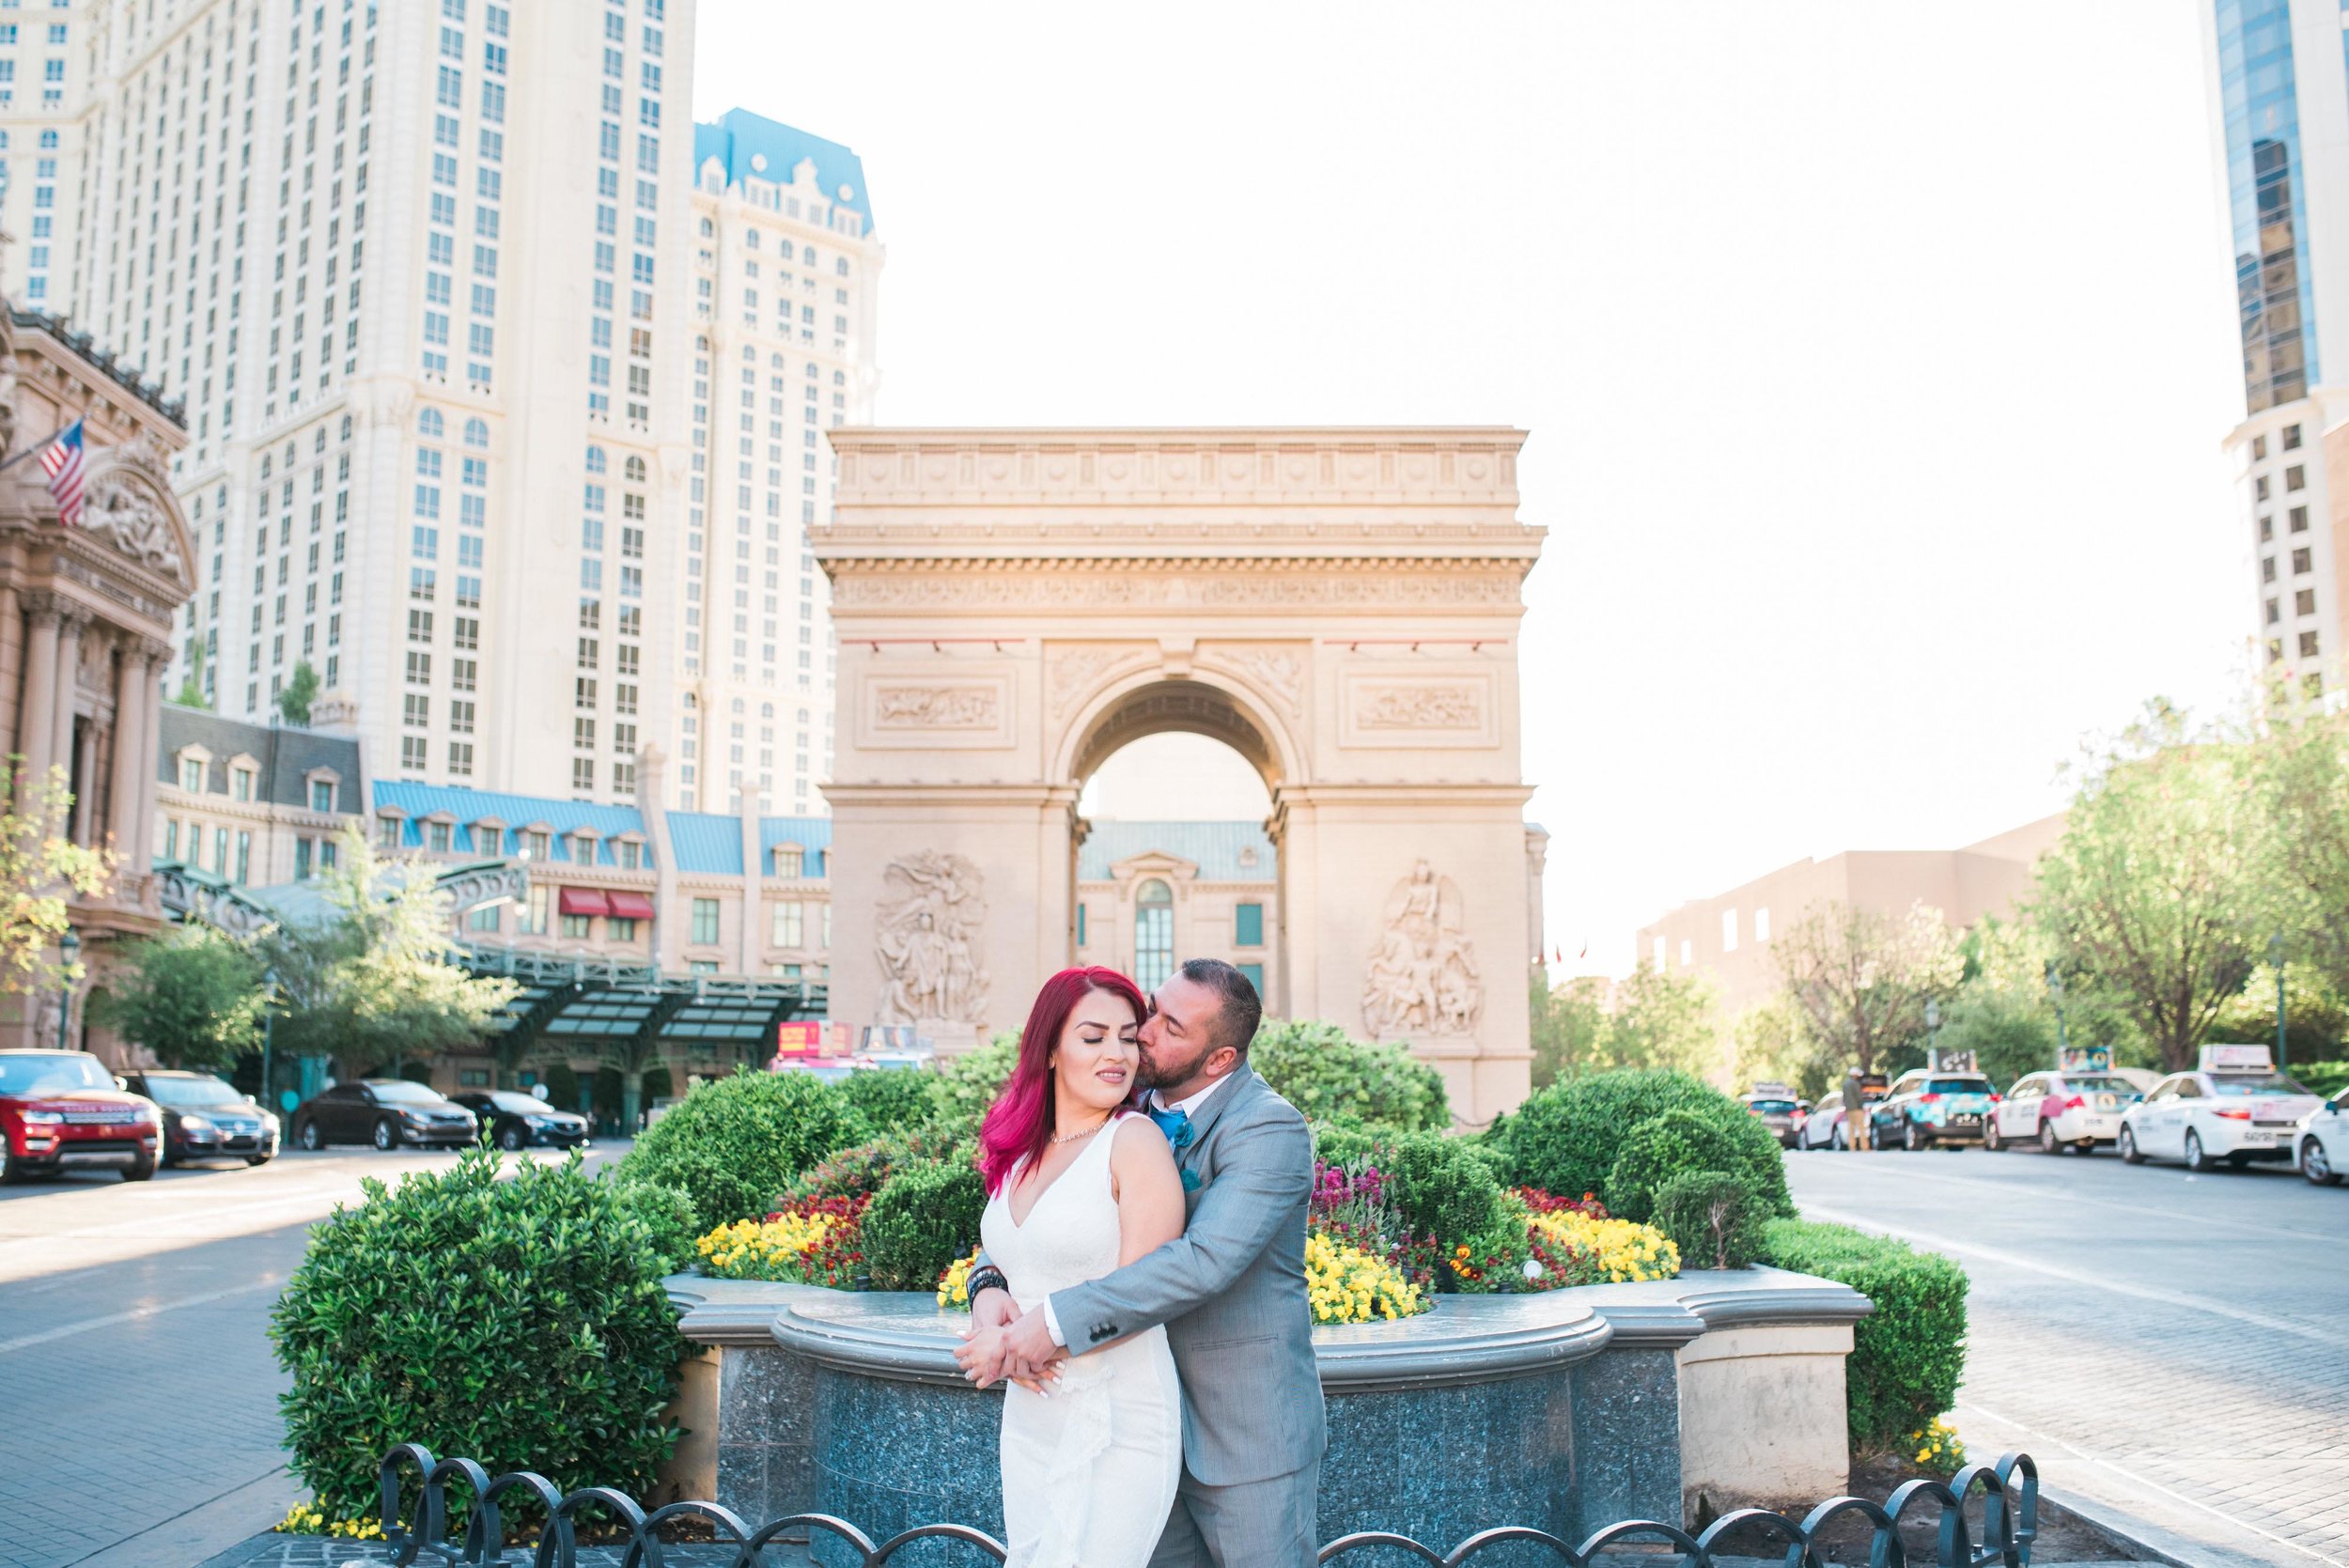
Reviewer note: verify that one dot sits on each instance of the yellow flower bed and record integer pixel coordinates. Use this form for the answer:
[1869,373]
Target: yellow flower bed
[1624,1248]
[1937,1447]
[760,1248]
[1348,1285]
[308,1518]
[953,1291]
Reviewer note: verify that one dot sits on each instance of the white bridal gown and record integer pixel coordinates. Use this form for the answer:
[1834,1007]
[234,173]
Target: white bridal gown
[1089,1469]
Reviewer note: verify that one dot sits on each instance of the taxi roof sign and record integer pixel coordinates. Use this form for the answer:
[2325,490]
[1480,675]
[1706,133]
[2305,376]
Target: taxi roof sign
[1771,1092]
[2085,1059]
[2237,1058]
[1947,1061]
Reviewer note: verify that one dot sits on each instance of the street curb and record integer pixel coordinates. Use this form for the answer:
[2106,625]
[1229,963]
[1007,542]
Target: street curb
[2147,1542]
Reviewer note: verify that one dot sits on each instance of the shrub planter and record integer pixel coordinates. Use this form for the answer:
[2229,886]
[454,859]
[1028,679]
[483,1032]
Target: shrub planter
[1565,1409]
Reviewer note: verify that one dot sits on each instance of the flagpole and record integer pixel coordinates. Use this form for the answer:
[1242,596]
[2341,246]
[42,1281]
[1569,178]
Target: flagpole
[36,447]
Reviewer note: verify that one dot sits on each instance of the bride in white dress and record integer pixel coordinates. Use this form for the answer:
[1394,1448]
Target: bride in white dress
[1079,1186]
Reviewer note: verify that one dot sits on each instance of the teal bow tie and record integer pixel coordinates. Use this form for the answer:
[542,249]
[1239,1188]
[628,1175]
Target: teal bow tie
[1175,1124]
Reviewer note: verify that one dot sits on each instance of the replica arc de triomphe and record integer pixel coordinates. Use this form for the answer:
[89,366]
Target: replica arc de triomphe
[1338,606]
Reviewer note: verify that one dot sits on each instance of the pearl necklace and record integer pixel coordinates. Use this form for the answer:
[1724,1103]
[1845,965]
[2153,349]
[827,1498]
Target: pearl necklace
[1059,1137]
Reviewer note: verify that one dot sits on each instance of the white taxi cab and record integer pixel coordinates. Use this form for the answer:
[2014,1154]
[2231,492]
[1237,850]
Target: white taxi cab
[2235,1107]
[2059,1111]
[2322,1142]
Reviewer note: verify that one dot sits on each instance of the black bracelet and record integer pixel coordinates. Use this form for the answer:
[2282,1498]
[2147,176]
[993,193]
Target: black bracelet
[989,1278]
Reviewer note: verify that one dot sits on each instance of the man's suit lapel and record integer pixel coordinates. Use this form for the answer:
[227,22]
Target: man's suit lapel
[1243,1082]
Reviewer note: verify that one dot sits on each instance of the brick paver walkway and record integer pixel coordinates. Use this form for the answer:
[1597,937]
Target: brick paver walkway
[2172,1346]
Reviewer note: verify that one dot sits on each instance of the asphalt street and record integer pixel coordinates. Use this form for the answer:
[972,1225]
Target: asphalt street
[2175,1347]
[138,1395]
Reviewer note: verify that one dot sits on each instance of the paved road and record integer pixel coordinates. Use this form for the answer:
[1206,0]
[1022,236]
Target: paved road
[138,1396]
[2173,1345]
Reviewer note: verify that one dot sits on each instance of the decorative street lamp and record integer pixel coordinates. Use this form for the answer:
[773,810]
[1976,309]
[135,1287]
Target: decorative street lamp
[1933,1030]
[68,948]
[2055,989]
[2275,957]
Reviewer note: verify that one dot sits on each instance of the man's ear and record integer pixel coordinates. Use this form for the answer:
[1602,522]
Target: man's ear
[1227,1055]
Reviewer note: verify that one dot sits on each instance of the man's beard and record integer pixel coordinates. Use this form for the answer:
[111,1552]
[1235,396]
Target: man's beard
[1161,1071]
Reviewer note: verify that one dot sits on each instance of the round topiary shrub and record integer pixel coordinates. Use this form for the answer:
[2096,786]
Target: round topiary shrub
[1330,1077]
[965,1086]
[1657,1150]
[924,1216]
[668,1217]
[1436,1187]
[863,1170]
[733,1144]
[1712,1217]
[520,1322]
[1565,1138]
[891,1098]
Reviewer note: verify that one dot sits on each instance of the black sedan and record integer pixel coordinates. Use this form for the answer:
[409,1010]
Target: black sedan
[516,1121]
[385,1111]
[204,1119]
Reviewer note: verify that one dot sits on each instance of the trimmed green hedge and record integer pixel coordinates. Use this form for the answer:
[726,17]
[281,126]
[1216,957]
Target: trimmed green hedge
[889,1099]
[519,1321]
[1329,1076]
[924,1216]
[1711,1217]
[730,1146]
[1566,1138]
[1908,1355]
[1678,1143]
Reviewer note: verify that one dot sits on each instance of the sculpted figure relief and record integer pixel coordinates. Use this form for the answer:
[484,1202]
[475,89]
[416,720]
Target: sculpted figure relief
[134,520]
[1424,981]
[927,939]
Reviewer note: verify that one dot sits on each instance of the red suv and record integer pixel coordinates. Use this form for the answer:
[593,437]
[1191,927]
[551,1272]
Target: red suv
[60,1109]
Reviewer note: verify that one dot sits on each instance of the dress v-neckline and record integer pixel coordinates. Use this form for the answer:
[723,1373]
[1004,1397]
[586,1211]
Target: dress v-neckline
[1010,1197]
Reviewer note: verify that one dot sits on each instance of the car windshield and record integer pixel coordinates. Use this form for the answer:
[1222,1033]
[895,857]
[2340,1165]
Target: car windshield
[2247,1083]
[400,1092]
[65,1069]
[521,1105]
[1957,1086]
[191,1091]
[1772,1107]
[2100,1086]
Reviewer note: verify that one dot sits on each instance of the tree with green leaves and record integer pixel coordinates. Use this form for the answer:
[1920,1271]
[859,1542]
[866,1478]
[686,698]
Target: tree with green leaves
[1569,1022]
[191,690]
[2300,769]
[193,996]
[1860,979]
[2160,886]
[41,870]
[301,690]
[1659,1019]
[373,985]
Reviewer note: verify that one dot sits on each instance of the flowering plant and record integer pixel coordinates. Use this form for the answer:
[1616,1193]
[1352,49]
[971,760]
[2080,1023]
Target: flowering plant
[1347,1284]
[953,1287]
[812,1242]
[1578,1240]
[1937,1445]
[308,1519]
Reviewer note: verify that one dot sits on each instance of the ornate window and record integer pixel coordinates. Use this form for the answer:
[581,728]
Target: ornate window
[1154,933]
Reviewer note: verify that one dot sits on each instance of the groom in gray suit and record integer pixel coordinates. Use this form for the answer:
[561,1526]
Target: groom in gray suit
[1231,1289]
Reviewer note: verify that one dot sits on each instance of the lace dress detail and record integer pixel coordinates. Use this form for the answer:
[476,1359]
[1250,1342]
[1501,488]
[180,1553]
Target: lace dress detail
[1090,1469]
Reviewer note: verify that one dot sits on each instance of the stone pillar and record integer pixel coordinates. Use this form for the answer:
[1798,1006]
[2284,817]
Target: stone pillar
[85,799]
[135,714]
[150,748]
[71,621]
[36,730]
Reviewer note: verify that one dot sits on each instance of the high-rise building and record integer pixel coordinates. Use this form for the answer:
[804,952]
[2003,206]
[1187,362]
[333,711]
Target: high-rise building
[2279,85]
[785,272]
[461,303]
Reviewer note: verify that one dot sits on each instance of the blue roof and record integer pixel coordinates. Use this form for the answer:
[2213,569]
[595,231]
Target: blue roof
[811,834]
[704,841]
[1214,846]
[752,146]
[562,818]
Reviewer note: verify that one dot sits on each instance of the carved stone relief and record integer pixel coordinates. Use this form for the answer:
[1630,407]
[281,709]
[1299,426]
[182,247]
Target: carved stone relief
[935,708]
[927,935]
[132,517]
[1276,670]
[855,590]
[1419,707]
[1075,670]
[1423,982]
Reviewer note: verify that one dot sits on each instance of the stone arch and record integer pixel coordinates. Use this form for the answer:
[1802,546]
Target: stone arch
[1147,703]
[129,505]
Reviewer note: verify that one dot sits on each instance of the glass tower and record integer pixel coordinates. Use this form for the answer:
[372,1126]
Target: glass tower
[2267,182]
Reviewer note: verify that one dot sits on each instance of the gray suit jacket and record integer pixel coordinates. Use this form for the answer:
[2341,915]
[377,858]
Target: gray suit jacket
[1230,1290]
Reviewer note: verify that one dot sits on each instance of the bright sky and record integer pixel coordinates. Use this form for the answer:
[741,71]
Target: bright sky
[1876,356]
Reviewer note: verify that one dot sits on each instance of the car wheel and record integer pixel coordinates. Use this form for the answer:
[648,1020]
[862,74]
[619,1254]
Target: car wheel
[386,1134]
[2195,1158]
[2048,1143]
[12,1168]
[307,1136]
[511,1138]
[1836,1139]
[140,1172]
[2128,1148]
[1990,1139]
[1913,1137]
[257,1159]
[2313,1164]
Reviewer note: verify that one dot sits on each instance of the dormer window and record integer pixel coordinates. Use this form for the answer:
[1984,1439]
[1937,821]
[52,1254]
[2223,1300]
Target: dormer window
[240,784]
[631,855]
[322,795]
[436,837]
[192,775]
[535,845]
[583,848]
[387,832]
[790,862]
[1248,855]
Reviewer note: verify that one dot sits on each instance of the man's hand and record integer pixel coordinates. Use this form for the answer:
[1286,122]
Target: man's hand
[1027,1348]
[993,1309]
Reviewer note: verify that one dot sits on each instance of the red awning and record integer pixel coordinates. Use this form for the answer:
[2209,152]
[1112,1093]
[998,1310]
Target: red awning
[629,906]
[583,901]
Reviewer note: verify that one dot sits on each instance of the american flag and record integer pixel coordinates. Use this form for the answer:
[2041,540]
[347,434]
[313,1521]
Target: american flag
[61,459]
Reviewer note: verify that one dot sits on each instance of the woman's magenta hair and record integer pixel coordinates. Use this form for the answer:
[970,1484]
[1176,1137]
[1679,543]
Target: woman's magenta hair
[1019,1124]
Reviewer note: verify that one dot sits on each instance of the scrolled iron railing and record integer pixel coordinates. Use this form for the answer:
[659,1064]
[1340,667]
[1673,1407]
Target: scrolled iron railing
[414,1487]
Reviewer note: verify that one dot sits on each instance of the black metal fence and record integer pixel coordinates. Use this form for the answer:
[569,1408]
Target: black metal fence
[2009,1492]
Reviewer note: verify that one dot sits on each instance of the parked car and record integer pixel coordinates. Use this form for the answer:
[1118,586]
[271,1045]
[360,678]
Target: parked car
[385,1111]
[206,1119]
[2059,1111]
[62,1110]
[1926,1107]
[1776,1109]
[2322,1142]
[1824,1128]
[516,1121]
[2204,1116]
